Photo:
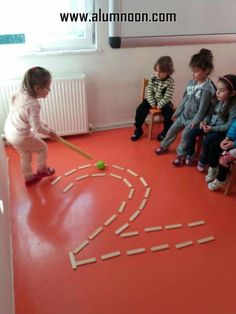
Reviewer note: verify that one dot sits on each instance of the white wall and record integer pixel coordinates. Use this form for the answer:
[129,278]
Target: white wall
[6,283]
[114,75]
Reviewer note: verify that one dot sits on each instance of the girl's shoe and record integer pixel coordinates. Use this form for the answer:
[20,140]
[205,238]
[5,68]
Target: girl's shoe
[36,178]
[215,185]
[46,172]
[211,174]
[190,161]
[201,167]
[179,161]
[160,150]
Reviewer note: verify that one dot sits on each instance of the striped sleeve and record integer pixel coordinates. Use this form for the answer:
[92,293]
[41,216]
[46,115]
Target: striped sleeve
[168,94]
[151,93]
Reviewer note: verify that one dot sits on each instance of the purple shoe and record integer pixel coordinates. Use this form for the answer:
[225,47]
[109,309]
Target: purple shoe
[179,161]
[160,150]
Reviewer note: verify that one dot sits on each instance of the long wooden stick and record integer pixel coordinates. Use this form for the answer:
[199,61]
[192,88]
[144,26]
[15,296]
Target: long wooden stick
[74,147]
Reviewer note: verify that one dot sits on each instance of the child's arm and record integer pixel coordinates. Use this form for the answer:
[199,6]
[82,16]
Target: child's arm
[36,123]
[203,107]
[151,94]
[167,97]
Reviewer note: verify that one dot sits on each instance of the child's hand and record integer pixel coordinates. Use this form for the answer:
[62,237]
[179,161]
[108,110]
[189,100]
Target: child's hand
[173,118]
[202,124]
[53,136]
[207,128]
[226,144]
[192,125]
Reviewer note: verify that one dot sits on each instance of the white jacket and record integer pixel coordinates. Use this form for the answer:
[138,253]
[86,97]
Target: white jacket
[24,117]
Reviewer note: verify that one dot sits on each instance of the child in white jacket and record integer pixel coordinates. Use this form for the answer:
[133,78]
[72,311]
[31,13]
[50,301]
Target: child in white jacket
[23,124]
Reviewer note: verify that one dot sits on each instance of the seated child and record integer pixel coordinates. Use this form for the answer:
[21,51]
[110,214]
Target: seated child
[229,154]
[159,95]
[215,125]
[195,104]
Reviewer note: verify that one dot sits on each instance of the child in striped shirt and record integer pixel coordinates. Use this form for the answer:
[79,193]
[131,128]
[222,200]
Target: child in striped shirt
[159,95]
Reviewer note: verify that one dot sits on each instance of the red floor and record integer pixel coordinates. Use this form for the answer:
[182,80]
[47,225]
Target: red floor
[47,224]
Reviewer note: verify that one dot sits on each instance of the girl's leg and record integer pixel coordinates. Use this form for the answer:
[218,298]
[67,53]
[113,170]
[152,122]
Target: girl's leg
[167,112]
[26,148]
[172,133]
[211,148]
[191,140]
[181,149]
[214,150]
[223,171]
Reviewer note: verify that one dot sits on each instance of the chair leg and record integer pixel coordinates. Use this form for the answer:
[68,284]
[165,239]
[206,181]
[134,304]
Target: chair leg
[150,127]
[230,179]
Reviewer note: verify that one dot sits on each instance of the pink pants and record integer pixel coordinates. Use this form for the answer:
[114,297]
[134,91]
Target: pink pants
[26,147]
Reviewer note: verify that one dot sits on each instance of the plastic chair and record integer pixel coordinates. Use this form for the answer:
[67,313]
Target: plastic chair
[153,112]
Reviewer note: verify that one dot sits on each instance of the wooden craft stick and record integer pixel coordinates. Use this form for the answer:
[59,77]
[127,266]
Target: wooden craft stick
[85,166]
[73,147]
[110,255]
[151,229]
[109,220]
[129,234]
[115,176]
[86,261]
[143,203]
[127,183]
[56,180]
[143,181]
[122,228]
[132,172]
[118,167]
[69,186]
[147,192]
[136,251]
[98,174]
[122,206]
[205,240]
[80,247]
[160,247]
[174,226]
[95,233]
[135,214]
[82,177]
[131,193]
[70,172]
[72,260]
[196,223]
[183,244]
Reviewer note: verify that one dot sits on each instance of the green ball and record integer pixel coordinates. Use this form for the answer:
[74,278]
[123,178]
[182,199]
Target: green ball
[101,165]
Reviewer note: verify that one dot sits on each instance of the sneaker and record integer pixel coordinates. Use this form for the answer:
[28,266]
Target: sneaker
[190,161]
[137,134]
[215,185]
[201,167]
[36,178]
[160,137]
[160,150]
[46,172]
[179,161]
[211,174]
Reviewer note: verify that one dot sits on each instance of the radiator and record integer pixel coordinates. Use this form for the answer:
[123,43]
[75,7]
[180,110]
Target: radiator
[65,108]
